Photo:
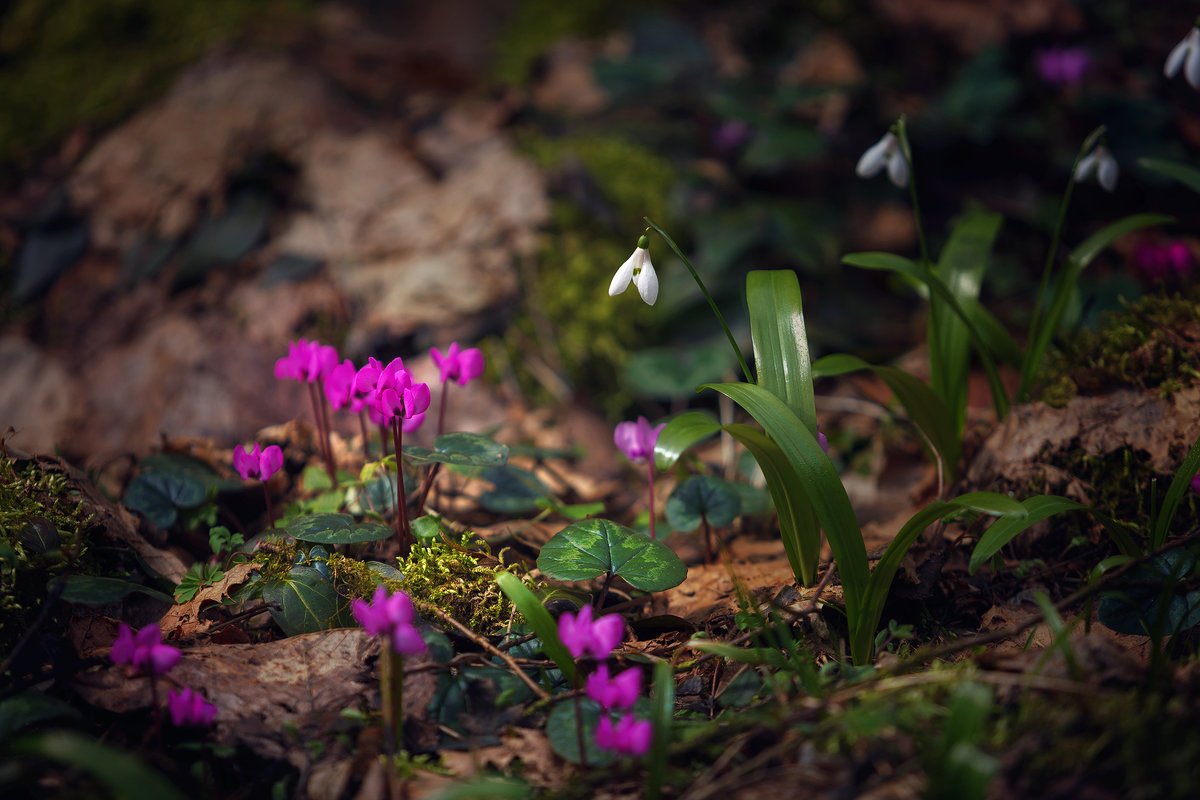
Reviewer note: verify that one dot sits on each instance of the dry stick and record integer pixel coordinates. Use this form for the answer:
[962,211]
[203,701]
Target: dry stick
[491,648]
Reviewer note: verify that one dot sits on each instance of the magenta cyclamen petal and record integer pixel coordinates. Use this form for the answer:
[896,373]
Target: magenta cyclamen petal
[606,633]
[270,462]
[406,640]
[123,648]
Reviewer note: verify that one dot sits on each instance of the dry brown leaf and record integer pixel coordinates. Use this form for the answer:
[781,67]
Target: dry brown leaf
[184,621]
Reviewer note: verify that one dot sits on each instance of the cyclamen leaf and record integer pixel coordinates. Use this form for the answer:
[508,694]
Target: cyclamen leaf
[307,602]
[461,449]
[703,497]
[336,529]
[159,496]
[594,547]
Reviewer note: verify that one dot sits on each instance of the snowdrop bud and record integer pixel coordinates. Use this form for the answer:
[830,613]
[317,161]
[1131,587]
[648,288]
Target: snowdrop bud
[886,153]
[1099,164]
[1186,55]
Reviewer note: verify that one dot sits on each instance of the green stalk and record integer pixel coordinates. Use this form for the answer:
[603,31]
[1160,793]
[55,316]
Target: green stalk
[1028,368]
[906,150]
[737,351]
[391,677]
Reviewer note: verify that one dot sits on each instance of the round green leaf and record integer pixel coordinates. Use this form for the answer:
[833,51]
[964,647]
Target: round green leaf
[306,601]
[563,733]
[516,490]
[703,497]
[336,529]
[463,449]
[158,496]
[429,528]
[594,547]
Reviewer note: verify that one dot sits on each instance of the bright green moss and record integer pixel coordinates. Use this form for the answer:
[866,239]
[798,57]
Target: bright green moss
[535,25]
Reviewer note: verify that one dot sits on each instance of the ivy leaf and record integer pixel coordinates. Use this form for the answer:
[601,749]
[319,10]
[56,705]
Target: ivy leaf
[307,602]
[336,529]
[594,547]
[703,497]
[158,496]
[462,449]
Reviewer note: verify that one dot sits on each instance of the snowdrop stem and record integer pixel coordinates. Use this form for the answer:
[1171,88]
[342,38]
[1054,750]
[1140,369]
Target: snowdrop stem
[737,351]
[906,150]
[1028,369]
[650,482]
[391,685]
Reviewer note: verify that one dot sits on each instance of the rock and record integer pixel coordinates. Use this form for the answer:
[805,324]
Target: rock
[37,397]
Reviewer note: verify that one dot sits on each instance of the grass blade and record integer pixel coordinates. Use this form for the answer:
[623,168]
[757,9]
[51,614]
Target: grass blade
[781,357]
[539,620]
[662,716]
[681,434]
[1179,485]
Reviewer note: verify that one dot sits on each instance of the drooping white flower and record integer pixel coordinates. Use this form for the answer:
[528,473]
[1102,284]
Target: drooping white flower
[1186,56]
[1099,164]
[885,153]
[637,270]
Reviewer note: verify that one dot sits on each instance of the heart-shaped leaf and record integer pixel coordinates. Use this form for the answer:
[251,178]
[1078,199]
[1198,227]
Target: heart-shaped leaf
[563,732]
[516,490]
[191,468]
[158,496]
[336,529]
[703,497]
[1139,609]
[594,547]
[430,528]
[463,449]
[307,602]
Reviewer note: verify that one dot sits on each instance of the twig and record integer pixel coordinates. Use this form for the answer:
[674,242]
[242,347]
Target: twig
[491,648]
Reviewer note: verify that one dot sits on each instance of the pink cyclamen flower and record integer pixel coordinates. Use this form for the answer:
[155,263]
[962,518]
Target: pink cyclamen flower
[189,707]
[630,736]
[339,385]
[1063,66]
[392,616]
[581,635]
[463,366]
[619,692]
[392,392]
[1158,261]
[257,464]
[306,361]
[1196,484]
[144,651]
[823,440]
[636,439]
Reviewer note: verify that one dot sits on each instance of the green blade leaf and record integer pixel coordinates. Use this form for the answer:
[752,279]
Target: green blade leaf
[1180,484]
[1003,531]
[461,449]
[335,529]
[1086,252]
[703,497]
[91,590]
[1175,170]
[539,620]
[781,357]
[593,547]
[123,775]
[920,402]
[662,717]
[680,435]
[307,602]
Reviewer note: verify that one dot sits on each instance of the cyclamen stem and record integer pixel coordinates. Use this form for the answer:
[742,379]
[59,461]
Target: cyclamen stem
[441,426]
[580,740]
[737,351]
[267,499]
[362,427]
[391,678]
[650,480]
[427,485]
[316,412]
[401,498]
[324,406]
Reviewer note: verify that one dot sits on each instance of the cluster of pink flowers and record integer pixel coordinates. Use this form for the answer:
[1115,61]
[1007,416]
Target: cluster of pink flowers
[585,636]
[257,464]
[393,617]
[146,654]
[1157,261]
[1063,66]
[390,393]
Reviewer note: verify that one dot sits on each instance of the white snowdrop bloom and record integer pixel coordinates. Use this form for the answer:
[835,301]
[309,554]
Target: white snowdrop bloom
[885,153]
[637,270]
[1099,164]
[1186,56]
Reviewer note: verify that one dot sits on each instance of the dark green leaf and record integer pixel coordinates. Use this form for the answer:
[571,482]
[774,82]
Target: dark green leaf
[1004,530]
[335,529]
[430,528]
[703,497]
[29,708]
[159,496]
[671,373]
[516,490]
[781,357]
[463,449]
[1139,610]
[1188,175]
[176,464]
[662,718]
[307,602]
[594,547]
[91,590]
[1181,483]
[124,776]
[564,734]
[680,435]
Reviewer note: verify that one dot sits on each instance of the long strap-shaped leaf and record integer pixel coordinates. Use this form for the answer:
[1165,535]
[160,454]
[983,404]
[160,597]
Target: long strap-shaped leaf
[922,274]
[1179,484]
[781,357]
[817,480]
[539,620]
[920,402]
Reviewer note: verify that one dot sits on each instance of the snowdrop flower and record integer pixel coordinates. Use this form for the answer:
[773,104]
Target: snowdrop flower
[619,692]
[583,636]
[391,616]
[1186,56]
[189,707]
[144,651]
[638,270]
[1099,164]
[630,736]
[885,153]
